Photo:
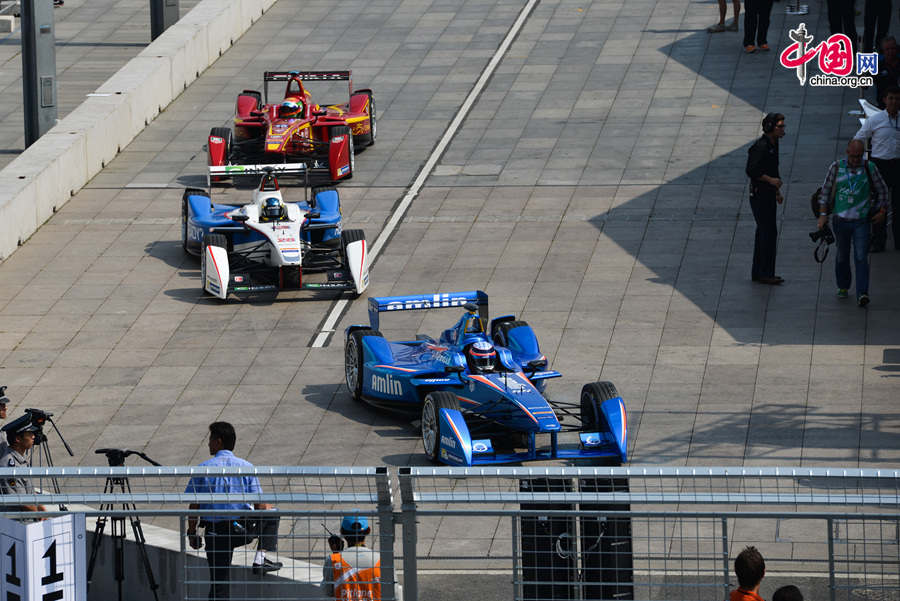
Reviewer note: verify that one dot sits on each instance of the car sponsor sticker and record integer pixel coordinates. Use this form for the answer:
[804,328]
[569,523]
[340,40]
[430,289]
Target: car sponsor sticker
[386,385]
[446,440]
[479,447]
[344,170]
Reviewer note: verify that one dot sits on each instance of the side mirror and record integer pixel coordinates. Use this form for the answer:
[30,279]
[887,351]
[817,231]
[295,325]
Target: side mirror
[454,369]
[313,215]
[240,217]
[257,113]
[320,113]
[537,364]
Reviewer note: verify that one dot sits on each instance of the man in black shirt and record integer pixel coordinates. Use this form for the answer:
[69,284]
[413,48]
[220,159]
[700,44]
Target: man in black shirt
[765,195]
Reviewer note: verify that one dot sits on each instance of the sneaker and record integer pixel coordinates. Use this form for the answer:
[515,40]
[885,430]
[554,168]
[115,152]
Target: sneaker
[863,300]
[267,566]
[750,49]
[842,293]
[764,47]
[58,2]
[717,28]
[733,26]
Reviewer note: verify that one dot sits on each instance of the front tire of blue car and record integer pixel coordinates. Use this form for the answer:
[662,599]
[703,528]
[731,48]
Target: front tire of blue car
[431,426]
[353,360]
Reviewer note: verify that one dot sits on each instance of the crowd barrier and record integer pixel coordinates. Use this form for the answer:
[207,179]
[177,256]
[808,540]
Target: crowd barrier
[42,179]
[643,533]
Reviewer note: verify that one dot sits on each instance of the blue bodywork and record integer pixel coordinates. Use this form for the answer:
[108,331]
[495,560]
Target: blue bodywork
[398,375]
[200,216]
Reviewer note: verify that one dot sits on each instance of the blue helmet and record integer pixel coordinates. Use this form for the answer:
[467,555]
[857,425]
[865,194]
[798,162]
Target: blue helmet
[272,208]
[354,524]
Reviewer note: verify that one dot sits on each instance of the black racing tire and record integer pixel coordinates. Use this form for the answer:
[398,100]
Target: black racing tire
[226,133]
[353,360]
[290,277]
[341,130]
[500,336]
[209,240]
[592,396]
[369,139]
[431,426]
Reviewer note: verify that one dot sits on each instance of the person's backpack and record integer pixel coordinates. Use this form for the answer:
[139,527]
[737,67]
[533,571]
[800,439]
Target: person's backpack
[829,206]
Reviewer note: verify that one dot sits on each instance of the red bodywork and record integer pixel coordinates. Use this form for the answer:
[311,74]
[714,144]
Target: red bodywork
[261,135]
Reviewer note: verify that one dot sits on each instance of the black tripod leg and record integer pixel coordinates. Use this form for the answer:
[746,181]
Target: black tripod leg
[95,544]
[142,548]
[118,532]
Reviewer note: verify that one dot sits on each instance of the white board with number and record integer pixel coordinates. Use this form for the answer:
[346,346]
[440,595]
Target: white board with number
[43,561]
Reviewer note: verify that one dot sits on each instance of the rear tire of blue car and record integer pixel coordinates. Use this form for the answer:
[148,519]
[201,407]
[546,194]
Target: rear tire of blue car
[431,425]
[353,360]
[593,395]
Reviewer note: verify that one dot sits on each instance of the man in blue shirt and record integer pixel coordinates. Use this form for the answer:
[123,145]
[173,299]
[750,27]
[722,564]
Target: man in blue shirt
[223,533]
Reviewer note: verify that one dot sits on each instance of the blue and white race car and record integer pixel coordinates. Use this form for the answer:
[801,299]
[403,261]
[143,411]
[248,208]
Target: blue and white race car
[270,244]
[479,388]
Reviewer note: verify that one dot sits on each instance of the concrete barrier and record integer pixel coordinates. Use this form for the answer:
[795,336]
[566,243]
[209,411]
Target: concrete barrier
[43,178]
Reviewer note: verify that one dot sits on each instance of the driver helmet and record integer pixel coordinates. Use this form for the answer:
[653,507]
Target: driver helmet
[482,356]
[272,208]
[290,108]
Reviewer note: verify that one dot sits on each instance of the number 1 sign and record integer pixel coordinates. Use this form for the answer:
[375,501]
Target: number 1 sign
[43,561]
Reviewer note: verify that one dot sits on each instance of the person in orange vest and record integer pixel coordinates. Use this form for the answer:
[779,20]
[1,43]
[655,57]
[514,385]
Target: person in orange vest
[750,568]
[354,573]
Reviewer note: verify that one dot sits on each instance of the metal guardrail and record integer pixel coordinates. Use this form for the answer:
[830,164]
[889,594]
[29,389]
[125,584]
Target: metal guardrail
[646,533]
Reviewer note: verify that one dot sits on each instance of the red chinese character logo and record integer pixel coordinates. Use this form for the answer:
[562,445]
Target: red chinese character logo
[835,54]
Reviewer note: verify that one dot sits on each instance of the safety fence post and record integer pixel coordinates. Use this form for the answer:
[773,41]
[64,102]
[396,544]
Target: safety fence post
[410,535]
[725,555]
[386,532]
[832,591]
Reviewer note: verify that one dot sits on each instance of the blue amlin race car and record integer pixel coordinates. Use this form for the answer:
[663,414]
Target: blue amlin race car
[479,388]
[269,244]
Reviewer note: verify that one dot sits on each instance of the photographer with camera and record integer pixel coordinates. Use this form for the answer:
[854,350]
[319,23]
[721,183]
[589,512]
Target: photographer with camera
[353,573]
[223,533]
[20,435]
[855,193]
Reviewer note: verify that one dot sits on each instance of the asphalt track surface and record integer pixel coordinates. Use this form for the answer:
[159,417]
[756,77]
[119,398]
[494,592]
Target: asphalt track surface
[595,188]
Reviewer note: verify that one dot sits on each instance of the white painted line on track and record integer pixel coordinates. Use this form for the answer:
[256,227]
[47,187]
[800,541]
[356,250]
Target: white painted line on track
[403,206]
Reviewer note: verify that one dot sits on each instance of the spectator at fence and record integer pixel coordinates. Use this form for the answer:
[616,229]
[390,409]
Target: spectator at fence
[765,195]
[888,69]
[223,533]
[352,574]
[856,194]
[750,568]
[876,21]
[3,402]
[756,25]
[787,593]
[723,10]
[884,130]
[20,440]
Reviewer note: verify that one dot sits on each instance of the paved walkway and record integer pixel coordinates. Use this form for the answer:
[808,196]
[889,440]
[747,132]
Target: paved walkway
[94,39]
[596,189]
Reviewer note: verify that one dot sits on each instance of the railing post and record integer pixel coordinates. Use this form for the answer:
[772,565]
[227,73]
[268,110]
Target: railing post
[832,593]
[725,584]
[410,536]
[181,566]
[386,532]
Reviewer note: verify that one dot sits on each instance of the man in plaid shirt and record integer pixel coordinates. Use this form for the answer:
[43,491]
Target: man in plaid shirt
[855,193]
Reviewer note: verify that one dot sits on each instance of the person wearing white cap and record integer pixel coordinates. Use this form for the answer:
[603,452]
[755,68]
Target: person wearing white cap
[352,574]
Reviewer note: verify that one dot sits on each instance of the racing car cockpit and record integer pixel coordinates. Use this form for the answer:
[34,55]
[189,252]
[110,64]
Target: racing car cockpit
[482,358]
[291,108]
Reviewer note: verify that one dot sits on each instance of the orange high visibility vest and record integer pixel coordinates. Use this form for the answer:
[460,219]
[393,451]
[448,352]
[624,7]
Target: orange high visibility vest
[352,584]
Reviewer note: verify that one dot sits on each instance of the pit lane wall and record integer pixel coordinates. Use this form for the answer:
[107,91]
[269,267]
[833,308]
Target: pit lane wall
[43,178]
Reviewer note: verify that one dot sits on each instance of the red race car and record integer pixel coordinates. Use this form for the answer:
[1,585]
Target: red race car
[295,129]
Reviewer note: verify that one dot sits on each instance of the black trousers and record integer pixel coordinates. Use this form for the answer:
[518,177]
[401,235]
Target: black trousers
[764,206]
[756,21]
[877,20]
[842,18]
[890,171]
[221,539]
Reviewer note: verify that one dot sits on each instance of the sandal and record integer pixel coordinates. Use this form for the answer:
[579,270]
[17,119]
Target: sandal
[717,28]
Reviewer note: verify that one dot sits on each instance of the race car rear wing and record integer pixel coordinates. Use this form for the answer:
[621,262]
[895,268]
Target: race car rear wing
[222,171]
[440,300]
[305,76]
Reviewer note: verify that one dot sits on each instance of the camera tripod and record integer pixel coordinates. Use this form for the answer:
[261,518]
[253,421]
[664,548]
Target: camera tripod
[116,458]
[44,456]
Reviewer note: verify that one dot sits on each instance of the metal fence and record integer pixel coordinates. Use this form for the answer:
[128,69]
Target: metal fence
[525,533]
